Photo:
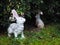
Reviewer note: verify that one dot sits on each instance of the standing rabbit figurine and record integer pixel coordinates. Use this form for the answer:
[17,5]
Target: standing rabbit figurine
[18,27]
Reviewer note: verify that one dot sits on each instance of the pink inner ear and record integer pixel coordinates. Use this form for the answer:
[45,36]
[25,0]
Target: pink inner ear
[15,13]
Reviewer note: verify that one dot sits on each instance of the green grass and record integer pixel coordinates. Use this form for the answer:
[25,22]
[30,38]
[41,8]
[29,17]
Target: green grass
[50,35]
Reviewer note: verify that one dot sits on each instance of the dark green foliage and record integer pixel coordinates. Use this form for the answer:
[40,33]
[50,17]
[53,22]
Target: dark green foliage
[50,8]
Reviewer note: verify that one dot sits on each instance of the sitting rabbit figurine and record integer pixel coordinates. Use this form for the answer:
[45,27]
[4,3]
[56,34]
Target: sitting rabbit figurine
[39,22]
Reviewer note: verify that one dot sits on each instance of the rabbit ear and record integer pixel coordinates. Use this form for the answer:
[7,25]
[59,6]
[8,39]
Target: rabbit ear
[41,13]
[14,13]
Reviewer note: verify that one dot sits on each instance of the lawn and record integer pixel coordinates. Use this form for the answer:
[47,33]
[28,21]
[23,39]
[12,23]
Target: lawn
[50,35]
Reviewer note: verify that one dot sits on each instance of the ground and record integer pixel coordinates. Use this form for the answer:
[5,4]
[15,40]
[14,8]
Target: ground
[50,35]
